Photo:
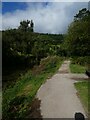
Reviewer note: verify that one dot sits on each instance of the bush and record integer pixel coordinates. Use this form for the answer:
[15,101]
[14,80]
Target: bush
[81,60]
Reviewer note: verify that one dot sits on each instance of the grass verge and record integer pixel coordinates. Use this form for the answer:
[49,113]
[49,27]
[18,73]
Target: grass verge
[75,68]
[17,99]
[82,92]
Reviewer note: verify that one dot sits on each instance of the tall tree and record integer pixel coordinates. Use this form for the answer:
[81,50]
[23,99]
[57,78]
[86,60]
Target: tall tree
[24,25]
[82,14]
[78,38]
[32,25]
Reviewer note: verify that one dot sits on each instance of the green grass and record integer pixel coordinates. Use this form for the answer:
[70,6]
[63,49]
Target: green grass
[75,68]
[11,75]
[82,88]
[17,99]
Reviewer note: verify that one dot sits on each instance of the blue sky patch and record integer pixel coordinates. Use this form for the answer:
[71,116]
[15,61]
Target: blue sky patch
[12,6]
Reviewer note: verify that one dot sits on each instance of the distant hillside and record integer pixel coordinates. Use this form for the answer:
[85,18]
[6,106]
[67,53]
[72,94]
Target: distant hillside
[28,48]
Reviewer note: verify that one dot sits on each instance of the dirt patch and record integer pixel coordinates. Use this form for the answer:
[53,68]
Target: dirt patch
[34,110]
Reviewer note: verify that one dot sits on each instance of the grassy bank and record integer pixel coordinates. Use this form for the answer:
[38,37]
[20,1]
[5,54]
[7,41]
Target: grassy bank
[82,88]
[17,99]
[76,68]
[11,75]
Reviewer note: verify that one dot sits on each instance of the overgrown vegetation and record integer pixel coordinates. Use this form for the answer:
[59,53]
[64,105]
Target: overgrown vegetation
[17,99]
[77,38]
[23,48]
[84,60]
[27,48]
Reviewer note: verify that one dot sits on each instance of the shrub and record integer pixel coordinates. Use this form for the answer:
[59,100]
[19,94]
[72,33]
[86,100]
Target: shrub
[81,60]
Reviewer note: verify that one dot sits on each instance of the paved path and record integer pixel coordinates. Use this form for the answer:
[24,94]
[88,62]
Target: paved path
[58,95]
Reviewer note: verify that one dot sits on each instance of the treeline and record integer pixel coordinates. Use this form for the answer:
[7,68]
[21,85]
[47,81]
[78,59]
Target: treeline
[24,47]
[77,41]
[78,37]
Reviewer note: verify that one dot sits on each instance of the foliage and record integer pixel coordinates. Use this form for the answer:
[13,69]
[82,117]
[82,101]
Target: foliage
[17,99]
[78,39]
[26,26]
[24,47]
[81,60]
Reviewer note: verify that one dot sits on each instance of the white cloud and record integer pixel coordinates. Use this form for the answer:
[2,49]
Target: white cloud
[53,18]
[0,21]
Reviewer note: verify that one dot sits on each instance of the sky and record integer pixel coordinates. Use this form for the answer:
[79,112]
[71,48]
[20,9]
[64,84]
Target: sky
[48,17]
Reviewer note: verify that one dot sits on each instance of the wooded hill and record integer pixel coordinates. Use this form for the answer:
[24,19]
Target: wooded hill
[25,47]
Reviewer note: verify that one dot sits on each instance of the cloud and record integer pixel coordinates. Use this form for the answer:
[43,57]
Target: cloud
[50,18]
[0,21]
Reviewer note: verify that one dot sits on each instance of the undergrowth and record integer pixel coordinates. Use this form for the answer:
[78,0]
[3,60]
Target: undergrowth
[17,99]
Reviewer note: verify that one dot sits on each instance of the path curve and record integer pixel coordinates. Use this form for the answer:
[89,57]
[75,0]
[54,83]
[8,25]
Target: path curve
[58,95]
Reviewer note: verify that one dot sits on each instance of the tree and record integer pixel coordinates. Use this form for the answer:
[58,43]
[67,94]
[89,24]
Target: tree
[82,14]
[24,25]
[32,25]
[78,39]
